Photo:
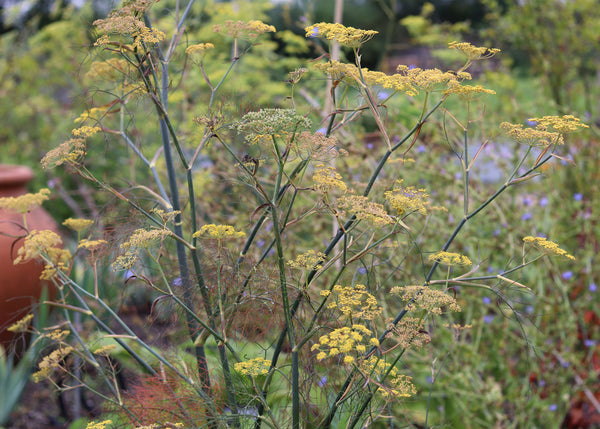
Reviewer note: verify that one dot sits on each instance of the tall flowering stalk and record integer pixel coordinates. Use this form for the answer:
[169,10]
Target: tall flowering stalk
[324,329]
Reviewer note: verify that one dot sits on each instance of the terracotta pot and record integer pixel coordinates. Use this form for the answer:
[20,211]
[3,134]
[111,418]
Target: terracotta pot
[20,285]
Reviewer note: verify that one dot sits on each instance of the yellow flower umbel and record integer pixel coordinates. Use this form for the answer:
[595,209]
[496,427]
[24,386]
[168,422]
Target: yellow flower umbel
[199,48]
[363,209]
[548,130]
[561,124]
[425,298]
[99,425]
[243,30]
[253,367]
[21,325]
[395,384]
[531,136]
[128,21]
[344,341]
[140,239]
[267,123]
[105,350]
[78,225]
[354,302]
[327,179]
[548,247]
[218,232]
[473,52]
[44,245]
[70,152]
[410,333]
[467,92]
[408,200]
[310,260]
[25,203]
[346,36]
[85,131]
[51,362]
[430,80]
[449,258]
[317,146]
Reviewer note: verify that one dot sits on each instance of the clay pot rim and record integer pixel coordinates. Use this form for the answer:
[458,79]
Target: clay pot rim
[15,174]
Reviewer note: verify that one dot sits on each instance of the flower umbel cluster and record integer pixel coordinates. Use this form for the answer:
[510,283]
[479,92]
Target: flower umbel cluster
[425,298]
[467,92]
[21,325]
[408,200]
[409,333]
[310,260]
[363,209]
[561,124]
[473,52]
[140,239]
[317,146]
[45,245]
[199,48]
[127,21]
[339,71]
[327,179]
[346,36]
[354,302]
[396,385]
[243,30]
[218,232]
[25,203]
[78,224]
[344,340]
[51,362]
[449,258]
[70,152]
[531,136]
[270,122]
[429,80]
[253,367]
[86,131]
[547,246]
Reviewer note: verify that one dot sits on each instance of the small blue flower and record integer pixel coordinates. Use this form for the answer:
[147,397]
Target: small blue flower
[527,201]
[578,196]
[260,243]
[322,130]
[543,202]
[486,300]
[421,148]
[412,66]
[314,33]
[531,123]
[362,270]
[565,364]
[488,319]
[497,232]
[567,275]
[592,287]
[529,309]
[128,275]
[370,145]
[322,382]
[589,343]
[542,383]
[526,216]
[552,407]
[177,281]
[382,95]
[429,379]
[490,269]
